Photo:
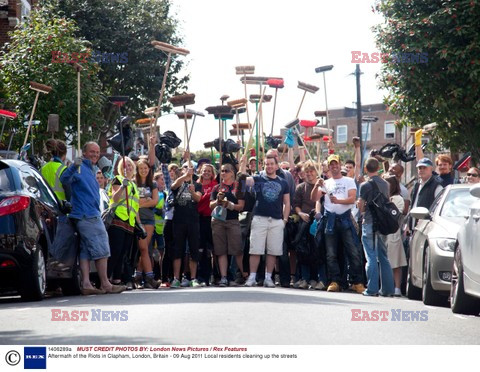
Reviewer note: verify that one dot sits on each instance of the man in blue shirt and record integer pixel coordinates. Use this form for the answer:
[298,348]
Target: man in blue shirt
[85,216]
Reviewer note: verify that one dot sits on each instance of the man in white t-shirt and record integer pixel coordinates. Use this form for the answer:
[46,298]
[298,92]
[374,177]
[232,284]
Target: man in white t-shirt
[340,194]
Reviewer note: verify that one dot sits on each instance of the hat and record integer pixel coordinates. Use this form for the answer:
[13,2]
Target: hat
[194,164]
[204,160]
[333,157]
[344,171]
[425,162]
[252,158]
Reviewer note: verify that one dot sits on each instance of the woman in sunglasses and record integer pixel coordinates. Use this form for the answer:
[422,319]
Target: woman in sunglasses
[473,175]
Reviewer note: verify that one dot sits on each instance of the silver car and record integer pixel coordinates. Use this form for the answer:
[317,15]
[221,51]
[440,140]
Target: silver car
[433,242]
[465,288]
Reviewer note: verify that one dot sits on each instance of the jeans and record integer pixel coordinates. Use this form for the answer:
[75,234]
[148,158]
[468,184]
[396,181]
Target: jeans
[374,253]
[342,233]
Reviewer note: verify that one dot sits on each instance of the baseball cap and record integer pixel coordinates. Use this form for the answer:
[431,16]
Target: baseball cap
[333,157]
[425,162]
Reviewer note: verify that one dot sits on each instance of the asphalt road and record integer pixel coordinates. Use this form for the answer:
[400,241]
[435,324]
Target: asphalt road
[232,316]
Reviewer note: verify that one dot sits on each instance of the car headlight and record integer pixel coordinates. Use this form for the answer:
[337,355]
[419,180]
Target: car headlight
[446,244]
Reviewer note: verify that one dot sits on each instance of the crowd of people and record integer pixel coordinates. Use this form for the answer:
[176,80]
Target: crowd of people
[294,223]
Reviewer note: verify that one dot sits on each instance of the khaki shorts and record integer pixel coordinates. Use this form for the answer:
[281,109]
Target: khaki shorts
[266,232]
[227,237]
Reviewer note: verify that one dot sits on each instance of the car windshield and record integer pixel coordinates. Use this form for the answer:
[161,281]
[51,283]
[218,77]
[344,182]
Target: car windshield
[457,203]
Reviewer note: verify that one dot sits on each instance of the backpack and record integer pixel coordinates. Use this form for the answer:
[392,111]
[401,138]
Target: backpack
[385,214]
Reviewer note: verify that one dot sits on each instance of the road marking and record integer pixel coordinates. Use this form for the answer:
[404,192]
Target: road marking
[25,308]
[58,302]
[461,316]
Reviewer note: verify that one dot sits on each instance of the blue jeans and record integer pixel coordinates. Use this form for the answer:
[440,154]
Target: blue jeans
[376,253]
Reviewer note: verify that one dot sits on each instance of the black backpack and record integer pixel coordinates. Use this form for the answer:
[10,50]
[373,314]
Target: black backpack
[385,214]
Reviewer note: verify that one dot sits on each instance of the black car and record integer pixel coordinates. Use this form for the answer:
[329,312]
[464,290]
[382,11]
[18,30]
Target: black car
[29,212]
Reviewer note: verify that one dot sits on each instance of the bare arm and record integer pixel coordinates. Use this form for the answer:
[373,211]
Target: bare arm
[149,203]
[317,192]
[286,206]
[352,194]
[151,151]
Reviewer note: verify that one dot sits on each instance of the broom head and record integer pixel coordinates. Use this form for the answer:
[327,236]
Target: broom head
[182,100]
[292,123]
[40,87]
[322,130]
[254,98]
[223,116]
[320,114]
[219,110]
[307,87]
[275,83]
[236,103]
[224,97]
[308,123]
[259,80]
[144,121]
[8,114]
[169,48]
[150,111]
[183,114]
[242,126]
[233,132]
[245,70]
[208,145]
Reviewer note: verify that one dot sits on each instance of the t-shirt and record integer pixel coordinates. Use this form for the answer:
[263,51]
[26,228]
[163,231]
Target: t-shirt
[146,213]
[269,196]
[338,187]
[366,194]
[445,179]
[186,207]
[229,191]
[204,203]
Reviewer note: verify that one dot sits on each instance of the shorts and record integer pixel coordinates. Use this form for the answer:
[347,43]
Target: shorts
[227,237]
[266,232]
[64,246]
[93,238]
[183,233]
[147,221]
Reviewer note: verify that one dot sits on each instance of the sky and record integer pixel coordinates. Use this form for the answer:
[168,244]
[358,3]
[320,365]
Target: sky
[286,39]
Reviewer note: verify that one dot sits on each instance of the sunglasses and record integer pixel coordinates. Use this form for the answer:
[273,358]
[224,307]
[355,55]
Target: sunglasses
[224,171]
[472,175]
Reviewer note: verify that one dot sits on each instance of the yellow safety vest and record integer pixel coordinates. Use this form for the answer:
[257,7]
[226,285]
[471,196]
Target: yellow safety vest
[52,172]
[159,220]
[121,206]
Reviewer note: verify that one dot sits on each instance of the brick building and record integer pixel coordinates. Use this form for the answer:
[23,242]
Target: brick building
[12,13]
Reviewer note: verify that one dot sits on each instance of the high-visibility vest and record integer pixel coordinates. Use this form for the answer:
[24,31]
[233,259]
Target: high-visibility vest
[121,206]
[159,220]
[52,172]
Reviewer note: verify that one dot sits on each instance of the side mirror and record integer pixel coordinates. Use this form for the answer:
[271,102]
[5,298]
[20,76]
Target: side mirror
[475,190]
[420,213]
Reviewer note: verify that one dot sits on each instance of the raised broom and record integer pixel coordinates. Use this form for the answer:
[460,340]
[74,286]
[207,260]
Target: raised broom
[184,100]
[277,84]
[39,88]
[6,115]
[219,112]
[169,50]
[306,88]
[245,70]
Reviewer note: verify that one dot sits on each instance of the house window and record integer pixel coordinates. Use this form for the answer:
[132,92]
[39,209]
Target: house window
[342,134]
[389,130]
[367,131]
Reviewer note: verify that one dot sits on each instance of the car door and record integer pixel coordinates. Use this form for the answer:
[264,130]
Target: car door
[471,249]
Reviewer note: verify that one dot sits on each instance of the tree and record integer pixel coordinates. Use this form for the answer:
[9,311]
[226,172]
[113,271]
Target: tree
[128,26]
[28,57]
[432,68]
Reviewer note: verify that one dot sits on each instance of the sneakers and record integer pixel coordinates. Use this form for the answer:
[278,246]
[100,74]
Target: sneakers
[268,282]
[302,284]
[292,280]
[185,282]
[398,292]
[151,283]
[138,282]
[251,282]
[319,286]
[175,283]
[194,283]
[277,280]
[359,288]
[223,282]
[333,287]
[312,284]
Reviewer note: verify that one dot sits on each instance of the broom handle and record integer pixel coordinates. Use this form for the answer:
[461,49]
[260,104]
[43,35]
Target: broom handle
[3,126]
[274,107]
[245,88]
[220,137]
[31,119]
[250,139]
[301,103]
[186,134]
[306,148]
[238,122]
[164,82]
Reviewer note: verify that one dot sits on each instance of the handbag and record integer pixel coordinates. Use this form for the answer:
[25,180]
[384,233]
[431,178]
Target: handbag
[108,215]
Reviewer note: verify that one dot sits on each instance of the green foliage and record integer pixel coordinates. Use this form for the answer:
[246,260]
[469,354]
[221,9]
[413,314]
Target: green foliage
[128,26]
[28,57]
[444,90]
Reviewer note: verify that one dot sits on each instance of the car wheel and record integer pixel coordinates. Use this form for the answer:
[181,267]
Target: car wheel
[72,286]
[34,283]
[429,295]
[461,302]
[413,293]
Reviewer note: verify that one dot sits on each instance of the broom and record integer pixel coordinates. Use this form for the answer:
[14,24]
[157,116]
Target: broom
[220,112]
[184,100]
[39,88]
[6,115]
[306,88]
[169,50]
[237,105]
[245,70]
[277,84]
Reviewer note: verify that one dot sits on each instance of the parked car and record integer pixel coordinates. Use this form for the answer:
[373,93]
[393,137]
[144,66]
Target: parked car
[433,242]
[465,288]
[28,221]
